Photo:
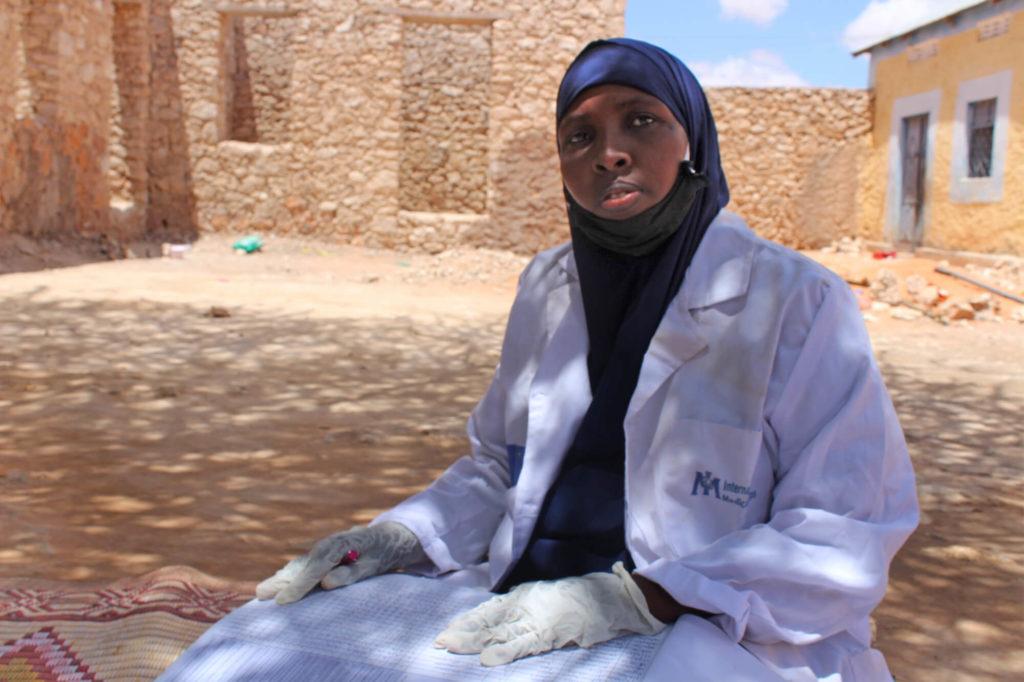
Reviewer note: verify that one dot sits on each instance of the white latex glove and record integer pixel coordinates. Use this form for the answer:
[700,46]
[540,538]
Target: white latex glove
[545,615]
[381,548]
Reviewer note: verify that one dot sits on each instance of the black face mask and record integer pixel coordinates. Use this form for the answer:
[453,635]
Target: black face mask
[645,232]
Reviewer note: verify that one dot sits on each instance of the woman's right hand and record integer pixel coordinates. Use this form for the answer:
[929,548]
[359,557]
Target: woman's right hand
[384,547]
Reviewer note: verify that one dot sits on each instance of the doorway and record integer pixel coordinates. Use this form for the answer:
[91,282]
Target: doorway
[913,161]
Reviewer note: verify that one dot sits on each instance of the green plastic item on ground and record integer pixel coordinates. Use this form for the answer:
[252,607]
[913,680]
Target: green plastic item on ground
[249,244]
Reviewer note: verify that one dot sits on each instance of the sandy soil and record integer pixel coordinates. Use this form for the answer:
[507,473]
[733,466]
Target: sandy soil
[224,411]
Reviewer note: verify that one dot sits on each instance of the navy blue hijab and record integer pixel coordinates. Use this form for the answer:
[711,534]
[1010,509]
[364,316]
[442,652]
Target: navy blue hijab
[581,526]
[654,280]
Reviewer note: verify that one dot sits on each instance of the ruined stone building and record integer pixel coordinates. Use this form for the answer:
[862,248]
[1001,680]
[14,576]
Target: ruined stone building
[414,124]
[411,123]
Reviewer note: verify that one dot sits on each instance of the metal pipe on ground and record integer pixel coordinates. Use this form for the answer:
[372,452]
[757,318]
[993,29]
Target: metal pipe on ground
[947,271]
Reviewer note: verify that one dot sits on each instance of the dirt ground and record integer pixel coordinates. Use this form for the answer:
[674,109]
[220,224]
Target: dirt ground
[224,411]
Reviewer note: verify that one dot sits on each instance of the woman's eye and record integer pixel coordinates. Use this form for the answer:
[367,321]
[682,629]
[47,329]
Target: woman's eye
[641,120]
[576,138]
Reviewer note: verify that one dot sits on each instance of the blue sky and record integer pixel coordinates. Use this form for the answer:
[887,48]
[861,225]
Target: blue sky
[777,42]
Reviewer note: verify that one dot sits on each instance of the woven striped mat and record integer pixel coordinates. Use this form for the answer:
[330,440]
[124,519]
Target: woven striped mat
[131,629]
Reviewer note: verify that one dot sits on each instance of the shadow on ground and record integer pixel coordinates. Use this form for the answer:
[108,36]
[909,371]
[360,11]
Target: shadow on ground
[955,608]
[145,434]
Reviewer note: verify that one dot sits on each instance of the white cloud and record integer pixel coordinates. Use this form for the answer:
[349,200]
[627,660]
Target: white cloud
[758,11]
[883,19]
[760,68]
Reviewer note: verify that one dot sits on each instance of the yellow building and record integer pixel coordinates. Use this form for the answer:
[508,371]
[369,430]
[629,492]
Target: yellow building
[947,166]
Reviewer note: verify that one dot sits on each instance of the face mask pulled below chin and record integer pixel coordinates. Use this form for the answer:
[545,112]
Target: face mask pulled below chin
[645,232]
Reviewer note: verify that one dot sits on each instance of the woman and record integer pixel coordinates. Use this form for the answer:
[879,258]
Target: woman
[686,419]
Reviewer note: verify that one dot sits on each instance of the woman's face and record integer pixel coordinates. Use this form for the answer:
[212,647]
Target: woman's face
[620,150]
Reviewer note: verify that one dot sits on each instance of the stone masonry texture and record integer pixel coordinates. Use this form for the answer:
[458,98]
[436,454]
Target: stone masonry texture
[54,99]
[793,157]
[409,124]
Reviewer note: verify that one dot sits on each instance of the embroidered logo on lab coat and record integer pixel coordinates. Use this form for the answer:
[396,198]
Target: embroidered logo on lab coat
[706,483]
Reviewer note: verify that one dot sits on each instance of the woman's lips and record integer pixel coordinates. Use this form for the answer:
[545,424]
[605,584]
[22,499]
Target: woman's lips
[619,198]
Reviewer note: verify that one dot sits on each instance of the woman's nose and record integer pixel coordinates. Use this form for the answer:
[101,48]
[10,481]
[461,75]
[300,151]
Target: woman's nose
[612,156]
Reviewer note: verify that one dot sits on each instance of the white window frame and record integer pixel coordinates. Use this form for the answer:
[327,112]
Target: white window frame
[911,105]
[964,189]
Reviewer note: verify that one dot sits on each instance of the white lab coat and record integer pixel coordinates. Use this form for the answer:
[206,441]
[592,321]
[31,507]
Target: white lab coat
[767,478]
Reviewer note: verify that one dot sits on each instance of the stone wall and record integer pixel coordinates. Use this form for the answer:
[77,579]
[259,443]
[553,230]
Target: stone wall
[10,46]
[419,124]
[793,158]
[128,148]
[410,124]
[446,96]
[55,102]
[450,140]
[171,212]
[258,61]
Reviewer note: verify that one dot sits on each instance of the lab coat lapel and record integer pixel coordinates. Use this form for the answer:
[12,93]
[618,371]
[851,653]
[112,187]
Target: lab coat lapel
[677,339]
[559,397]
[719,272]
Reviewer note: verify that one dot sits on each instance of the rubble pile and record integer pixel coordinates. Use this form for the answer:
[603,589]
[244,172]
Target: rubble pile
[845,244]
[915,297]
[1005,275]
[468,265]
[980,289]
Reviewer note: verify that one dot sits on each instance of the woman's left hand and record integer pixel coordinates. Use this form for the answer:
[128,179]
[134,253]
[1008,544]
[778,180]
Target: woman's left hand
[541,616]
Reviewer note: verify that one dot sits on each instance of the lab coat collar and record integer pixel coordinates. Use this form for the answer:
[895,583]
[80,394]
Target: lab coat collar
[720,271]
[721,267]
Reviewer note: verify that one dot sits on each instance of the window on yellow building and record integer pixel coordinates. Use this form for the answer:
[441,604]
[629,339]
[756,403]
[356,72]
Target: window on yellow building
[981,124]
[981,117]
